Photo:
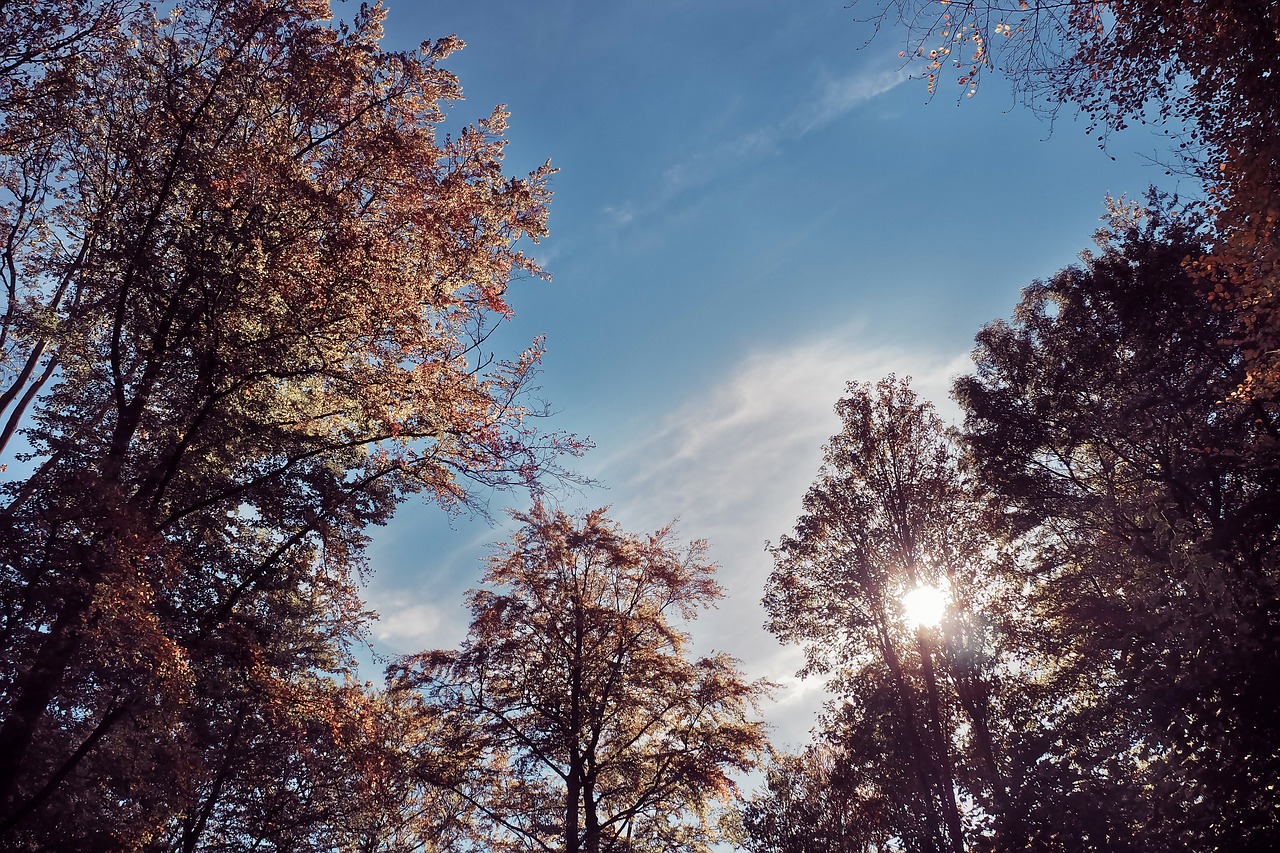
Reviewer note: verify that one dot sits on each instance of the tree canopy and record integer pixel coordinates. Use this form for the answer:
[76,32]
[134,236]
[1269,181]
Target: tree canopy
[1208,73]
[1102,420]
[888,513]
[246,287]
[587,725]
[1106,524]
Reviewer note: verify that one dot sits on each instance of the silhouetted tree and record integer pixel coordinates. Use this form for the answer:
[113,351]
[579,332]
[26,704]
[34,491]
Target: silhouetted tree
[1102,419]
[889,512]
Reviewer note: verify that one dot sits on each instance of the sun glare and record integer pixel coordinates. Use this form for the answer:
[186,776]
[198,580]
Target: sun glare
[924,606]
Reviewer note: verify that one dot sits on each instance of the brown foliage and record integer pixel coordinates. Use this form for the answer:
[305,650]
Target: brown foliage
[1206,72]
[246,289]
[587,727]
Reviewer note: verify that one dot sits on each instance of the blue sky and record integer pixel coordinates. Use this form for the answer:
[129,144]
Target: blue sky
[752,208]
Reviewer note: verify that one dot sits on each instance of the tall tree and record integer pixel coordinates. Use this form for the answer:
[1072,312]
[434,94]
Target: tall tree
[588,727]
[888,513]
[1101,418]
[246,290]
[818,801]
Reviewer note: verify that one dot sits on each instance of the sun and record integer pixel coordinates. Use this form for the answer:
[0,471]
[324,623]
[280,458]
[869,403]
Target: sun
[925,606]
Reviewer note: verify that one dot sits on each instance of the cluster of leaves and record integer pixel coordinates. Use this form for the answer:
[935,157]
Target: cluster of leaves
[585,725]
[245,290]
[1107,522]
[1207,72]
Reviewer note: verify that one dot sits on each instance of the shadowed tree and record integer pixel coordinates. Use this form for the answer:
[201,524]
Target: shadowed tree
[1101,418]
[889,512]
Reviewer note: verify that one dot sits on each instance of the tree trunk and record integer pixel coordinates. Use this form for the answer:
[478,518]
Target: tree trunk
[34,693]
[947,794]
[918,757]
[590,814]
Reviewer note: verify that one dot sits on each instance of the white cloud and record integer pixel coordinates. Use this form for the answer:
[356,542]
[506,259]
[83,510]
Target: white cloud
[731,449]
[733,462]
[831,99]
[619,215]
[838,96]
[410,626]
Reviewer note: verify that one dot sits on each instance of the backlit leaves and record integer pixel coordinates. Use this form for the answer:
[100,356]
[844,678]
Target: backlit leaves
[246,288]
[586,726]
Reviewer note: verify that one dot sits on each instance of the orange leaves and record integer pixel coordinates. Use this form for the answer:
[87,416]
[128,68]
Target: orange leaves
[573,672]
[285,277]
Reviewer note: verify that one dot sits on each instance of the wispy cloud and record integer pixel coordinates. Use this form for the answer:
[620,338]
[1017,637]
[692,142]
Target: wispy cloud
[831,99]
[719,450]
[424,562]
[838,96]
[619,215]
[705,166]
[733,462]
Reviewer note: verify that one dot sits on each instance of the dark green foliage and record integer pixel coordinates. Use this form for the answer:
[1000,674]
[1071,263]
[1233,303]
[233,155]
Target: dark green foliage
[1101,419]
[1107,673]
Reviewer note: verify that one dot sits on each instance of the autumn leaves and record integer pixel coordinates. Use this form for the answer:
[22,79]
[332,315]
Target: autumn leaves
[246,288]
[243,287]
[589,726]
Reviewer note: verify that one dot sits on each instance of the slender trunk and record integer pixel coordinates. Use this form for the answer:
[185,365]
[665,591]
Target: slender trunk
[15,417]
[573,788]
[591,816]
[191,831]
[34,691]
[572,793]
[37,352]
[947,794]
[1010,828]
[918,756]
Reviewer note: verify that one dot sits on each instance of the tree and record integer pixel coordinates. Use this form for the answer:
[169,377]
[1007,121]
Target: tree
[817,801]
[323,765]
[1101,419]
[888,513]
[586,725]
[246,293]
[1207,72]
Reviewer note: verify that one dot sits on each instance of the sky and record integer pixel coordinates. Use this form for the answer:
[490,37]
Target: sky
[754,206]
